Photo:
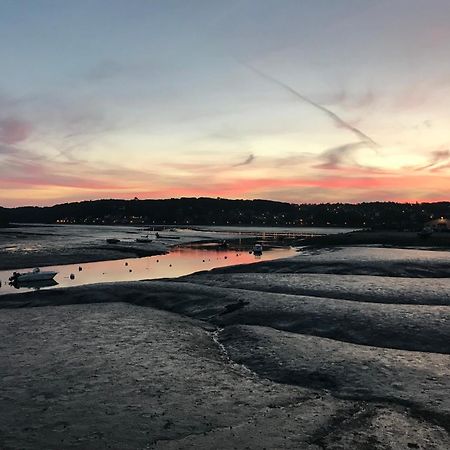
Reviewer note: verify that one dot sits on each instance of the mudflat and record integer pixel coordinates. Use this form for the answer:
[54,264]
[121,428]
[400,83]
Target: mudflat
[342,348]
[47,245]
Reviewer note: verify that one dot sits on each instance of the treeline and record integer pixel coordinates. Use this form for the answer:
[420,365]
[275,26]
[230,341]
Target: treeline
[209,211]
[4,217]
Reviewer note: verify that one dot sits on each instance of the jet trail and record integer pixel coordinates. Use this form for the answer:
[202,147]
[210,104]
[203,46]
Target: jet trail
[337,120]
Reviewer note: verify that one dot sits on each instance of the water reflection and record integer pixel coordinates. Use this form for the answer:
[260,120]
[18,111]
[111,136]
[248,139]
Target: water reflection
[180,261]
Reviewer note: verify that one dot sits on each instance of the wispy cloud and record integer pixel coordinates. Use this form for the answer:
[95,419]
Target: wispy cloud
[250,158]
[440,159]
[334,158]
[13,130]
[348,99]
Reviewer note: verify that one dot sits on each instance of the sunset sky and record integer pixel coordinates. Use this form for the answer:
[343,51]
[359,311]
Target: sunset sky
[300,101]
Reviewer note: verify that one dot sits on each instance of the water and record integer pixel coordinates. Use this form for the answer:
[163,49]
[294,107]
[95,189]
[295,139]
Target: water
[180,261]
[41,239]
[262,230]
[34,238]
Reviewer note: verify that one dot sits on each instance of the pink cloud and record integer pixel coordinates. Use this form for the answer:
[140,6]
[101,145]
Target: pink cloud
[14,130]
[84,181]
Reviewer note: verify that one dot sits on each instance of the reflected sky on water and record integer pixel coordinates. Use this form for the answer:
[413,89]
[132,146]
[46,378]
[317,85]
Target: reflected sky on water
[180,261]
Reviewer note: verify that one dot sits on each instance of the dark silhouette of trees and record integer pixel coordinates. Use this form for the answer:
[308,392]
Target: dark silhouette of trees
[210,211]
[4,217]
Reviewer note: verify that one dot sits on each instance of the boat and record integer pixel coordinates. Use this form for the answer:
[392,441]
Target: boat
[163,236]
[425,232]
[34,276]
[112,241]
[223,244]
[143,239]
[257,249]
[34,284]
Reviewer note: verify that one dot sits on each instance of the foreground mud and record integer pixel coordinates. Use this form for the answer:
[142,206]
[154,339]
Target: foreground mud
[246,359]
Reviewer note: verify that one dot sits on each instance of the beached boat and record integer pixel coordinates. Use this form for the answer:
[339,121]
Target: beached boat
[257,249]
[143,239]
[164,236]
[34,276]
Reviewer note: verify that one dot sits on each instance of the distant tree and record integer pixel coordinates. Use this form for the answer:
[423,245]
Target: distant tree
[4,217]
[213,211]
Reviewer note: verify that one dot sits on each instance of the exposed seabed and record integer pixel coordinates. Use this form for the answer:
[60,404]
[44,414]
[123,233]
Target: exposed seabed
[341,348]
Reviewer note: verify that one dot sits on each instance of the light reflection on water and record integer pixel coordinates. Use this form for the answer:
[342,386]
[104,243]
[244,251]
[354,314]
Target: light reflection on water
[180,261]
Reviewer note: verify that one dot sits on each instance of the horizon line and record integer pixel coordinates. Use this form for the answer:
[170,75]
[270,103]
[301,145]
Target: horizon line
[399,202]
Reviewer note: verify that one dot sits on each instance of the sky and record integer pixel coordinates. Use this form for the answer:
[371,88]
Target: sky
[299,101]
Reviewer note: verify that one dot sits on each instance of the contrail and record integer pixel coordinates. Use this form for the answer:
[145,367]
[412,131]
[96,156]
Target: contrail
[337,120]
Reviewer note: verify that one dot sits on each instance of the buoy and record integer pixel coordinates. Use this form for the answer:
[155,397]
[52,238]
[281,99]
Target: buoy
[72,276]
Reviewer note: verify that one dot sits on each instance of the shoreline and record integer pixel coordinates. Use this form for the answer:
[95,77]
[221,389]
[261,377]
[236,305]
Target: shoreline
[76,256]
[394,239]
[91,251]
[31,249]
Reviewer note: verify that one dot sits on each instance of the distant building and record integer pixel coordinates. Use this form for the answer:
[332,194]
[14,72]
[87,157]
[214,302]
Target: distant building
[441,224]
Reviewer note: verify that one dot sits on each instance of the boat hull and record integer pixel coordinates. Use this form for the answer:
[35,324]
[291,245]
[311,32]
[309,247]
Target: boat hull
[31,277]
[35,284]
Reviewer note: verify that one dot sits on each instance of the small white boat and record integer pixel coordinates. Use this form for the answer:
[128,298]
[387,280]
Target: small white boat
[257,249]
[34,275]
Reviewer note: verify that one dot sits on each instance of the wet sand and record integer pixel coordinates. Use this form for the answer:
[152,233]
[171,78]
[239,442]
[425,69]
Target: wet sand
[76,255]
[28,246]
[25,247]
[291,353]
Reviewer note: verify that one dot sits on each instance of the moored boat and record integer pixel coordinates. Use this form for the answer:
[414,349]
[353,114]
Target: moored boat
[34,276]
[425,232]
[257,249]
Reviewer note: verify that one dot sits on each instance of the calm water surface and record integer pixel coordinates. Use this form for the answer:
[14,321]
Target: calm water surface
[180,261]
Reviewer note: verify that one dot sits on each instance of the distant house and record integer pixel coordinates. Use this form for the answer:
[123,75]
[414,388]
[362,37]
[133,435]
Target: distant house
[441,224]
